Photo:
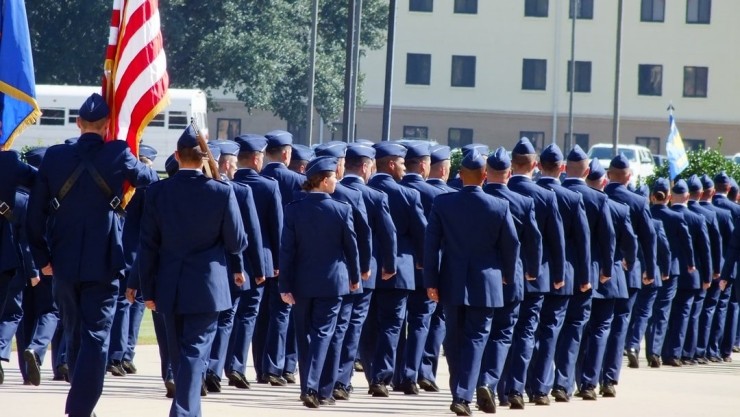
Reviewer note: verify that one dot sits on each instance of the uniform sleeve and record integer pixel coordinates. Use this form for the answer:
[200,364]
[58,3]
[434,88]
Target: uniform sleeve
[628,243]
[349,245]
[432,246]
[583,240]
[715,239]
[531,243]
[29,266]
[418,227]
[288,248]
[254,236]
[508,244]
[275,223]
[232,229]
[138,173]
[663,252]
[364,235]
[732,256]
[149,244]
[607,239]
[688,247]
[646,236]
[555,239]
[37,219]
[386,236]
[703,251]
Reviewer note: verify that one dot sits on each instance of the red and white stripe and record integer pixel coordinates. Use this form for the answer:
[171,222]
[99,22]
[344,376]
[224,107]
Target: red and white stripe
[136,79]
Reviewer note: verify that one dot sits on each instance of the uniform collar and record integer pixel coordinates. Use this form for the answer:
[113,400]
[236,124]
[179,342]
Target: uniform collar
[574,179]
[413,177]
[353,178]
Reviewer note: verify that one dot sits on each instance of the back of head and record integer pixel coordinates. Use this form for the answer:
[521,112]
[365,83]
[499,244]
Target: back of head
[472,168]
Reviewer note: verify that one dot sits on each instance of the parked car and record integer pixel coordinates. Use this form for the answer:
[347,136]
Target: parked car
[640,157]
[659,160]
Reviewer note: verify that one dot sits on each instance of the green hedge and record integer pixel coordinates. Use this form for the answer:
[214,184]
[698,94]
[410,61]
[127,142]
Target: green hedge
[704,161]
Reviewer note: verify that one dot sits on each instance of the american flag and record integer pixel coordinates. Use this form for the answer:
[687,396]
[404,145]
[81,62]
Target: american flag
[135,80]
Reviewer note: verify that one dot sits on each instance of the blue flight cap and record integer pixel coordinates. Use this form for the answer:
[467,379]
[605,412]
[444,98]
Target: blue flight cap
[94,108]
[251,143]
[439,153]
[385,148]
[147,152]
[367,142]
[71,141]
[706,182]
[359,151]
[551,154]
[576,154]
[321,164]
[694,184]
[643,190]
[473,160]
[171,165]
[661,185]
[334,148]
[301,153]
[620,162]
[483,149]
[680,187]
[417,149]
[499,160]
[188,139]
[215,150]
[278,138]
[597,171]
[722,178]
[523,147]
[227,147]
[35,156]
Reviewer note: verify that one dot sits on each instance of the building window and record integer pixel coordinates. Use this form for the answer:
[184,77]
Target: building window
[652,11]
[229,128]
[695,81]
[466,6]
[418,69]
[536,8]
[585,9]
[421,5]
[417,132]
[534,74]
[459,137]
[649,142]
[694,144]
[537,138]
[463,71]
[583,77]
[650,80]
[53,117]
[580,139]
[698,11]
[157,121]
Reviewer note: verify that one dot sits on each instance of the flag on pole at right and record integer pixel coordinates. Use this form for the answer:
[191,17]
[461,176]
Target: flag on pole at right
[678,161]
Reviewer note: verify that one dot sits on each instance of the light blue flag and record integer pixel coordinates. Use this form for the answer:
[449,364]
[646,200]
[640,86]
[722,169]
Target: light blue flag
[18,106]
[678,161]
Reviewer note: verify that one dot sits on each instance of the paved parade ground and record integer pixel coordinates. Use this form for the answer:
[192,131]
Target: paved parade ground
[695,391]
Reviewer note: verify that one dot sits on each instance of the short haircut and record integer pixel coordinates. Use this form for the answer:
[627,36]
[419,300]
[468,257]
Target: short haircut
[550,166]
[96,125]
[521,161]
[356,162]
[276,151]
[191,155]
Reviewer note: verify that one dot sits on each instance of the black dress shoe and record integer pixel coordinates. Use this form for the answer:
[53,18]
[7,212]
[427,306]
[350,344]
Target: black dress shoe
[633,360]
[276,380]
[541,399]
[516,400]
[129,367]
[236,379]
[116,369]
[608,390]
[588,393]
[289,377]
[654,361]
[714,359]
[340,393]
[736,349]
[310,400]
[203,390]
[702,361]
[378,390]
[427,385]
[560,395]
[484,400]
[32,366]
[461,408]
[213,384]
[675,362]
[409,388]
[727,359]
[169,385]
[327,401]
[262,379]
[2,373]
[688,361]
[358,367]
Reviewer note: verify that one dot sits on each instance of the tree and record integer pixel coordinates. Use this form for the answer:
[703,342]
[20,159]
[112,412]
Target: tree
[257,49]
